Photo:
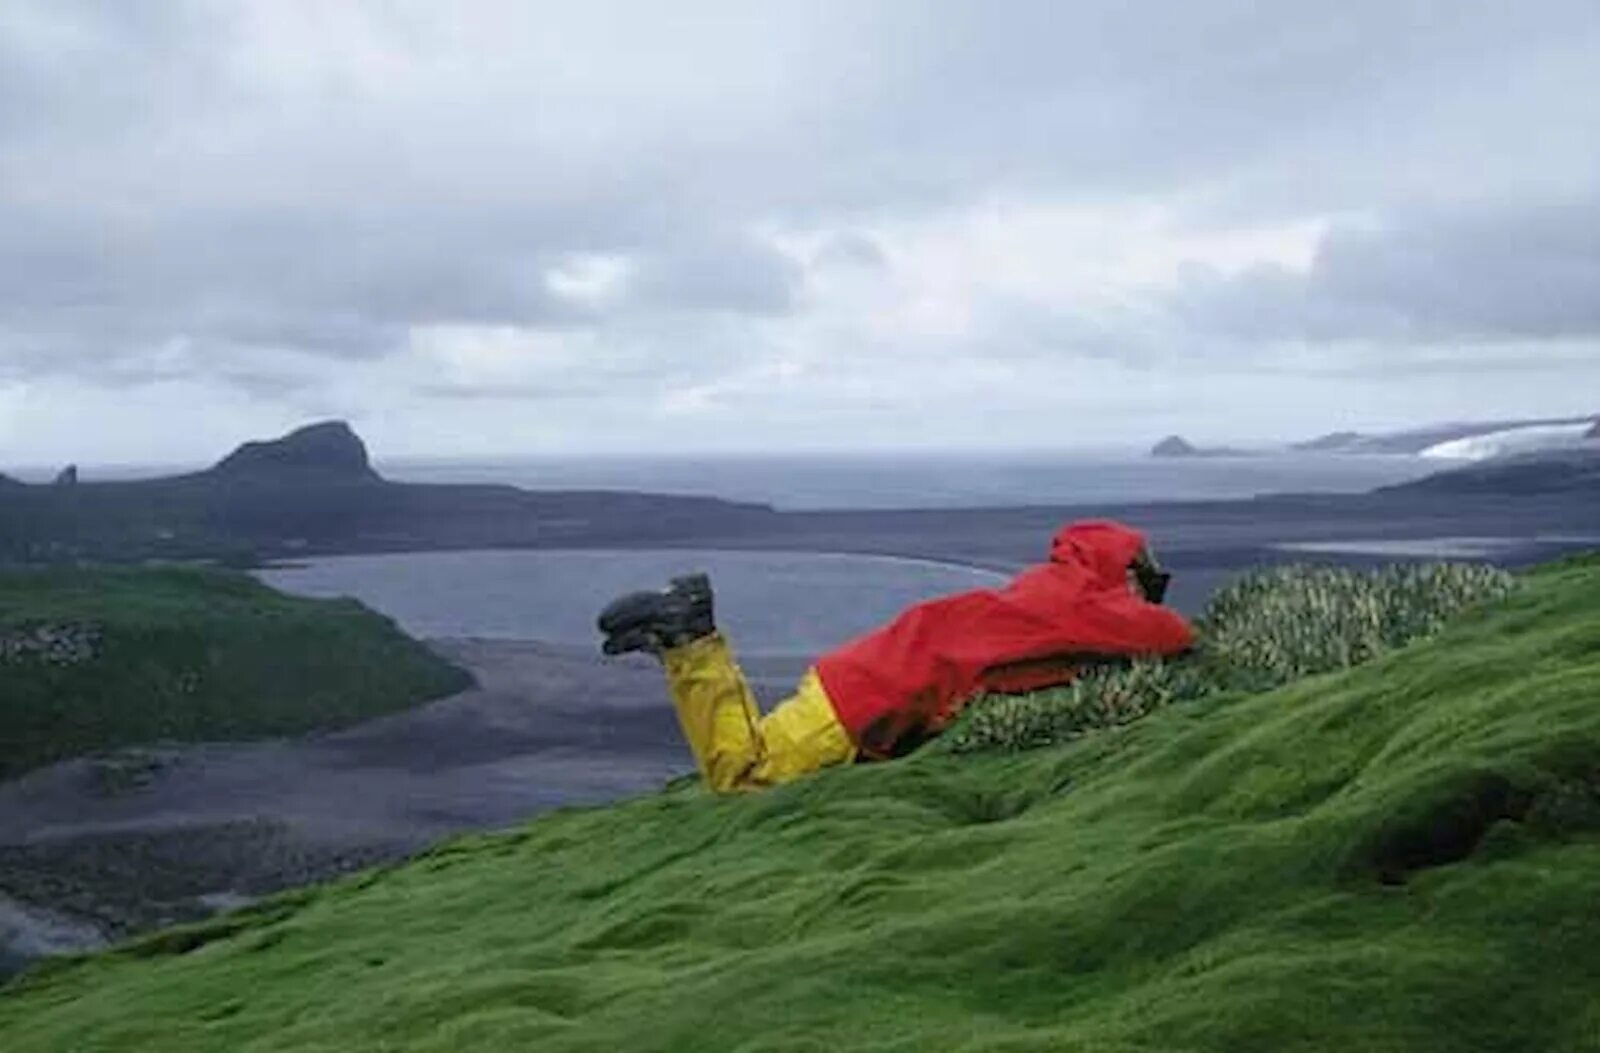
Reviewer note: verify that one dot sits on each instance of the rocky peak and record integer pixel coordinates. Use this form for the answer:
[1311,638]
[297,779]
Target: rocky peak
[1173,446]
[1594,432]
[68,476]
[326,450]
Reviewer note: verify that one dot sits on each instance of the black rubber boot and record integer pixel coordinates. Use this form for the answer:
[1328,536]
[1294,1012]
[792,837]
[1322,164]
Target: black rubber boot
[654,621]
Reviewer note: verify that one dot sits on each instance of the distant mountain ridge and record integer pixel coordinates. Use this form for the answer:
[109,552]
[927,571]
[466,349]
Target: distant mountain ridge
[1334,441]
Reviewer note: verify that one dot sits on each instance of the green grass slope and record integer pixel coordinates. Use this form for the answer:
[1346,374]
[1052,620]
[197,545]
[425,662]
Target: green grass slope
[1400,856]
[92,659]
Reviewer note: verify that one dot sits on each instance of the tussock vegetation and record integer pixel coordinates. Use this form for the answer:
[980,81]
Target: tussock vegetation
[1267,629]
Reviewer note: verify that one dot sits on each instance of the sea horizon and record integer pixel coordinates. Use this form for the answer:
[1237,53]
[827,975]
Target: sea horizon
[934,480]
[889,481]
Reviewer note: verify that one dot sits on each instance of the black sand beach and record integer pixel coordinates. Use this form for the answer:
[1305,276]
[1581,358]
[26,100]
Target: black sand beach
[93,849]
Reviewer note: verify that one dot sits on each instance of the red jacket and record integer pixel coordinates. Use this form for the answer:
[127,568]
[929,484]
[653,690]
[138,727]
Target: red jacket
[900,684]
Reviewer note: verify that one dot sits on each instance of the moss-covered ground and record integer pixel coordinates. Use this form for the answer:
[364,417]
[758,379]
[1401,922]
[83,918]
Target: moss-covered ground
[97,658]
[1399,856]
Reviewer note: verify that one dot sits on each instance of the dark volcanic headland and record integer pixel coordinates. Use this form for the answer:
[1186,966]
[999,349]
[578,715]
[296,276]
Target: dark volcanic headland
[314,491]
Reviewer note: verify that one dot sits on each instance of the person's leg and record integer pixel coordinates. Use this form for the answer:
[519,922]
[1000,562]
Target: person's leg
[734,746]
[802,734]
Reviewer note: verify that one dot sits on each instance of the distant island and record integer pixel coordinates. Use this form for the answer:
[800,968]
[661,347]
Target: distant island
[1178,446]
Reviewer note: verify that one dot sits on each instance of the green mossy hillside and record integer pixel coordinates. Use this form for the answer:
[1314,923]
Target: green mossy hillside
[1399,856]
[98,658]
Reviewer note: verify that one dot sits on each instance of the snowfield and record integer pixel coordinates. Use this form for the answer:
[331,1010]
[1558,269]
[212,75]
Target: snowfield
[1531,439]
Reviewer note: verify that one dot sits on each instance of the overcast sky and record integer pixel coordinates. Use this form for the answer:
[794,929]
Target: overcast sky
[478,228]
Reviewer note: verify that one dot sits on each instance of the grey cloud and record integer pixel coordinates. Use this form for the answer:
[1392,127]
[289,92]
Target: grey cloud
[852,249]
[166,176]
[268,384]
[1337,105]
[735,275]
[120,58]
[336,288]
[570,389]
[1496,273]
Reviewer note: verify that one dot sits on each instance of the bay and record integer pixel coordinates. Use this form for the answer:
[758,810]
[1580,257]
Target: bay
[771,603]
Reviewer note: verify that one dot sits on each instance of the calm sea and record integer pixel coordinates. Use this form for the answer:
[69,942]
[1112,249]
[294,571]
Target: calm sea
[937,481]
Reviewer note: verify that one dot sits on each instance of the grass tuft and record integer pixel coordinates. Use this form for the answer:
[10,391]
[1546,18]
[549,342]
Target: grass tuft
[1266,629]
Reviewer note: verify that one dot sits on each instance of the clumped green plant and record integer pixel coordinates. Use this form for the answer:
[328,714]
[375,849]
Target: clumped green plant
[1265,629]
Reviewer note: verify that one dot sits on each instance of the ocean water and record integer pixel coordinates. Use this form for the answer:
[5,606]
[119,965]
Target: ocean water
[937,480]
[771,603]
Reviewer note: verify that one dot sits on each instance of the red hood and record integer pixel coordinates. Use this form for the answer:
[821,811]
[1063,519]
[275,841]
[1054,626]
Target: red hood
[1102,547]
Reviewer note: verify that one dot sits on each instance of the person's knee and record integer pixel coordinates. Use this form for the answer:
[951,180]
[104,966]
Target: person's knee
[803,735]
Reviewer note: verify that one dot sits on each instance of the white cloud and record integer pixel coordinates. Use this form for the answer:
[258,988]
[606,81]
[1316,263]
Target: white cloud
[595,280]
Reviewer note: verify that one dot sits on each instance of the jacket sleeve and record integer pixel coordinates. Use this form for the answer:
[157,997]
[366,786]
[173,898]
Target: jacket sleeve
[1118,623]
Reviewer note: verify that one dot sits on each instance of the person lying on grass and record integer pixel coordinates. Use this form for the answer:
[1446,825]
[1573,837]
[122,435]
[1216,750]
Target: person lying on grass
[881,695]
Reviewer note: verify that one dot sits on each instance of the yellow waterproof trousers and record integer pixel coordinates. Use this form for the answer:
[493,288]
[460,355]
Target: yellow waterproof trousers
[735,746]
